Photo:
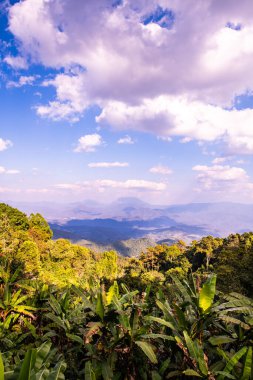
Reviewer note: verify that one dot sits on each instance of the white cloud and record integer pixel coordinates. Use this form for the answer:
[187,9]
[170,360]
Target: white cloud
[68,186]
[16,62]
[103,184]
[58,111]
[241,162]
[180,116]
[160,169]
[186,140]
[7,190]
[223,179]
[38,191]
[71,99]
[108,164]
[171,82]
[126,140]
[12,171]
[3,170]
[219,172]
[112,39]
[5,144]
[220,160]
[23,81]
[89,143]
[133,184]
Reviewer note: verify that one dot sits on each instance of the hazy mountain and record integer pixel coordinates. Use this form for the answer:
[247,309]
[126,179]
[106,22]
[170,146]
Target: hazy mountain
[127,223]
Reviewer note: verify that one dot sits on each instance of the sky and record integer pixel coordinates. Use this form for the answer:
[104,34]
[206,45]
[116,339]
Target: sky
[101,99]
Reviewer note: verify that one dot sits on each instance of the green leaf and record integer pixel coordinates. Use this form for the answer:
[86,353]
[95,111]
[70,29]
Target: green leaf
[25,370]
[56,320]
[75,338]
[112,292]
[100,306]
[221,339]
[196,352]
[224,375]
[42,374]
[161,321]
[86,301]
[164,366]
[88,372]
[157,336]
[55,305]
[234,321]
[191,372]
[58,372]
[233,361]
[201,359]
[106,371]
[173,374]
[180,316]
[207,293]
[1,368]
[182,289]
[41,354]
[156,376]
[191,347]
[148,350]
[247,368]
[135,323]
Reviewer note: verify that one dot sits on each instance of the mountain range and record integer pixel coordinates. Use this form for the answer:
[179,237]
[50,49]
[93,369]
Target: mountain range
[129,225]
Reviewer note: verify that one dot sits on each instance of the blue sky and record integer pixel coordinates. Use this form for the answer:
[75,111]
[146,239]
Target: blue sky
[105,99]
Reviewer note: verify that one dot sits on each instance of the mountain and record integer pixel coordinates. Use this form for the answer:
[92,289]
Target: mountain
[127,223]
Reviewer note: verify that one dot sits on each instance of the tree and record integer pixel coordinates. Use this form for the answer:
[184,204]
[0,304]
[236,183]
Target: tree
[17,219]
[107,265]
[167,259]
[39,228]
[28,254]
[203,251]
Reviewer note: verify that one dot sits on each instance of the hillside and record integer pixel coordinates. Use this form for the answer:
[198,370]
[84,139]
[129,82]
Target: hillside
[128,222]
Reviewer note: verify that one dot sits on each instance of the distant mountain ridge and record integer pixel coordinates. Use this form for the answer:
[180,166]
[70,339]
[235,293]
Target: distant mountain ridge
[130,222]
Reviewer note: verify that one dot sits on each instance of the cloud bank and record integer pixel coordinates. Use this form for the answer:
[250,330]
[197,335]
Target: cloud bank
[172,69]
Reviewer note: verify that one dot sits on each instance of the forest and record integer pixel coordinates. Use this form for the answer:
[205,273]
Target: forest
[179,311]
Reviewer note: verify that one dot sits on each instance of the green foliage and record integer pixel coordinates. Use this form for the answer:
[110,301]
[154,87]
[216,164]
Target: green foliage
[39,228]
[207,293]
[67,312]
[17,219]
[37,364]
[107,266]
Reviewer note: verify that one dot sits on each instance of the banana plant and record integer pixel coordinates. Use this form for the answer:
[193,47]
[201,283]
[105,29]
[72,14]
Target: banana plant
[36,365]
[116,337]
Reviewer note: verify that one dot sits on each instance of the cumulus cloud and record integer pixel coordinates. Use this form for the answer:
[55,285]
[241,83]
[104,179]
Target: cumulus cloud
[180,116]
[172,76]
[17,62]
[3,170]
[108,164]
[89,143]
[71,100]
[126,140]
[160,169]
[222,179]
[117,38]
[22,81]
[220,160]
[5,144]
